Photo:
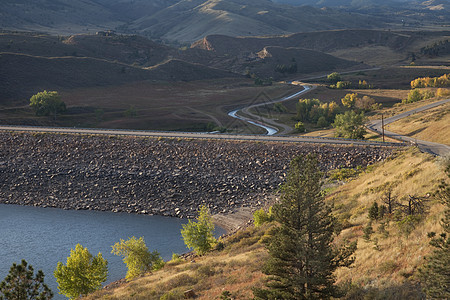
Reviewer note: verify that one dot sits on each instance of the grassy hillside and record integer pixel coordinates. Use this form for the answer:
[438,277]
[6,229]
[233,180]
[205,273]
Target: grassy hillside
[370,46]
[431,125]
[274,59]
[25,75]
[71,17]
[192,20]
[385,266]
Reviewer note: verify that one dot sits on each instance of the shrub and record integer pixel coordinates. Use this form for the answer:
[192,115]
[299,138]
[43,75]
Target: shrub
[368,230]
[260,217]
[409,223]
[343,174]
[199,235]
[137,257]
[322,122]
[300,127]
[440,92]
[417,95]
[343,84]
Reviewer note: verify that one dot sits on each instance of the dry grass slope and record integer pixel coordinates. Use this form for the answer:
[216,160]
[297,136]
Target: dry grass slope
[385,265]
[432,125]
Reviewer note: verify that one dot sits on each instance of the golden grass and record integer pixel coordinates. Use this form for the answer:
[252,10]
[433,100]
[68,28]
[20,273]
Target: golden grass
[235,269]
[385,266]
[430,125]
[389,259]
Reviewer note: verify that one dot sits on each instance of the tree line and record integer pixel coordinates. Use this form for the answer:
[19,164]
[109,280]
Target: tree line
[423,82]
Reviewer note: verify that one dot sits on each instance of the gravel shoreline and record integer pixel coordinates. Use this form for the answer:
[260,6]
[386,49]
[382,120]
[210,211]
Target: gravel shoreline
[169,177]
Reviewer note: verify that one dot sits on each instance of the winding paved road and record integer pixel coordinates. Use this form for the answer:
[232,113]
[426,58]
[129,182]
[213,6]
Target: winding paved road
[172,134]
[425,146]
[270,125]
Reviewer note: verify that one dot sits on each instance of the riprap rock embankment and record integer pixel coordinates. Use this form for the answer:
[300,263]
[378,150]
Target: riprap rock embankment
[153,176]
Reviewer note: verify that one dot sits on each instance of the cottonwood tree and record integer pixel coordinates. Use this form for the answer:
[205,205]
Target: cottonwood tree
[349,100]
[21,284]
[302,257]
[350,125]
[137,257]
[199,235]
[47,103]
[435,274]
[82,274]
[333,77]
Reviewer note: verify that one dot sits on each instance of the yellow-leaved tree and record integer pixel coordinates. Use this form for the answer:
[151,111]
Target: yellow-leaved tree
[137,257]
[82,274]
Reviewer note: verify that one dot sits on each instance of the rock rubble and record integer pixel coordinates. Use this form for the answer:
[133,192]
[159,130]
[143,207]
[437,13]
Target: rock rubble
[170,177]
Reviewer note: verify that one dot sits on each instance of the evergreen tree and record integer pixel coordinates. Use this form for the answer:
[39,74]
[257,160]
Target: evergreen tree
[374,211]
[302,258]
[21,284]
[435,274]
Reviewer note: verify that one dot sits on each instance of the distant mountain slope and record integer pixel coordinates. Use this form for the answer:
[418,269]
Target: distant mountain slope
[410,13]
[74,16]
[189,20]
[174,20]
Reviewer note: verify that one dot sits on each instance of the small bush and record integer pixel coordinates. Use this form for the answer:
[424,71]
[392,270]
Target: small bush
[368,230]
[260,217]
[343,174]
[205,271]
[299,127]
[181,280]
[388,266]
[409,223]
[172,295]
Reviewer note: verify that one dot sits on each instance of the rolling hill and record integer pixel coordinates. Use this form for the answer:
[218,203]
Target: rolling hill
[192,20]
[175,20]
[22,75]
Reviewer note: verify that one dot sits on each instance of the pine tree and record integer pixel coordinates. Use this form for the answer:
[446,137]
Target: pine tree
[373,211]
[302,258]
[21,284]
[435,274]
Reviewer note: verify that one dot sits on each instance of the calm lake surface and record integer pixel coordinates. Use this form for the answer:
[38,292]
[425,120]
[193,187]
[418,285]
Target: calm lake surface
[44,236]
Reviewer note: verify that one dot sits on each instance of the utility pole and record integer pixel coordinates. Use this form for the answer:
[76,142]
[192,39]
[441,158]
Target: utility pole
[382,125]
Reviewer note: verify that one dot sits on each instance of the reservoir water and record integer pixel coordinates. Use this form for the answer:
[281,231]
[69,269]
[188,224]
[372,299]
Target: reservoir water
[44,236]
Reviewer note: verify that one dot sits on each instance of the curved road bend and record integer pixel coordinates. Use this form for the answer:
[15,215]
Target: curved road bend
[143,133]
[271,126]
[425,146]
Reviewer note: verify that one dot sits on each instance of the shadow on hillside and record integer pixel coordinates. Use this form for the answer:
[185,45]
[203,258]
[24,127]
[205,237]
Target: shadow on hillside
[407,290]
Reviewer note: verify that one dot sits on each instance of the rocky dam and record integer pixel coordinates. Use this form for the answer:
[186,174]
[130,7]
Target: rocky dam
[156,176]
